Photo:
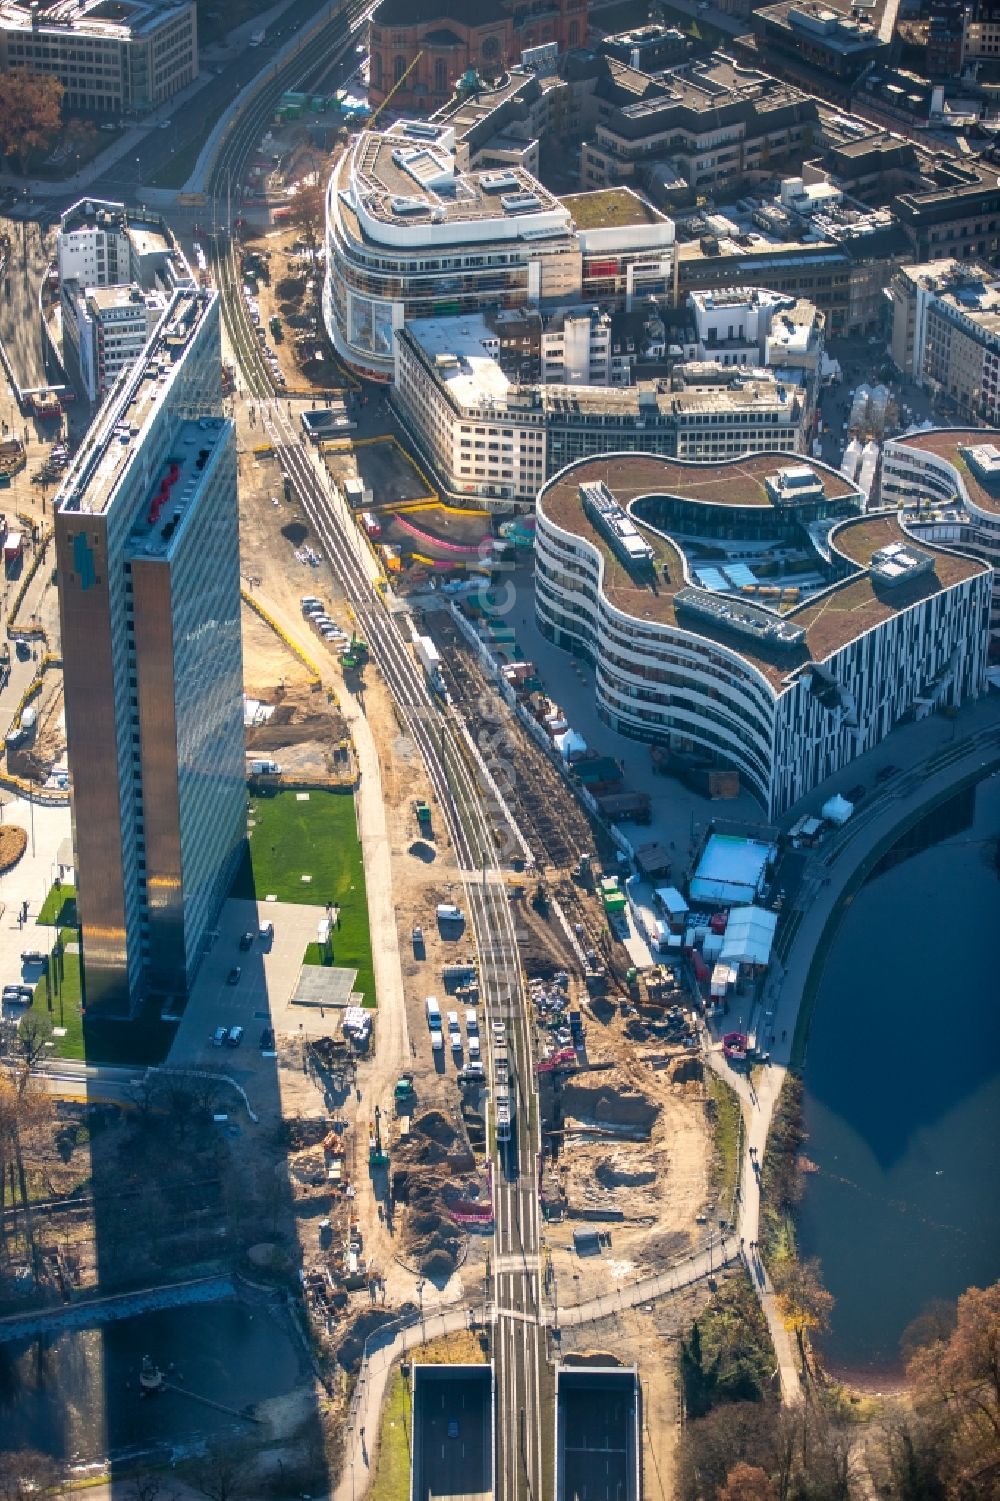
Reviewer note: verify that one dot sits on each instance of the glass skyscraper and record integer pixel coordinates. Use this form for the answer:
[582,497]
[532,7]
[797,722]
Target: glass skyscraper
[147,547]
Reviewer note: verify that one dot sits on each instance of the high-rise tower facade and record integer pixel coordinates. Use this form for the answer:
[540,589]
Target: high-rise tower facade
[147,547]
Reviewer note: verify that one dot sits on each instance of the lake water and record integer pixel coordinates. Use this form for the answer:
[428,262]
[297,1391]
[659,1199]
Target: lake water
[75,1395]
[902,1077]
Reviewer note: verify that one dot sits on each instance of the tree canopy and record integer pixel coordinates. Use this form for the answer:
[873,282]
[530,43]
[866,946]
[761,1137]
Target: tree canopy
[30,113]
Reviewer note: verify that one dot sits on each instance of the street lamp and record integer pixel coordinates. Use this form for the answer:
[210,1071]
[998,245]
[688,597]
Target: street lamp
[138,171]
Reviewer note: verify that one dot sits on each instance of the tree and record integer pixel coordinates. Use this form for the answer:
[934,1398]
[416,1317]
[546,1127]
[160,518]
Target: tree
[747,1483]
[30,113]
[956,1387]
[805,1301]
[25,1474]
[714,1444]
[148,1488]
[308,211]
[222,1478]
[33,1037]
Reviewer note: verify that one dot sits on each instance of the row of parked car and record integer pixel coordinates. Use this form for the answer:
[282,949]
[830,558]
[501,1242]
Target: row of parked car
[315,612]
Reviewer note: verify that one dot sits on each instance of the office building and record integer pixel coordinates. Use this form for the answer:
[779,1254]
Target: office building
[112,58]
[757,327]
[494,439]
[147,548]
[812,631]
[946,333]
[117,271]
[411,234]
[946,485]
[809,241]
[714,121]
[831,43]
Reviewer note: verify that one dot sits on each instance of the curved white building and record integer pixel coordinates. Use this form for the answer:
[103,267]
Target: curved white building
[410,234]
[945,483]
[748,613]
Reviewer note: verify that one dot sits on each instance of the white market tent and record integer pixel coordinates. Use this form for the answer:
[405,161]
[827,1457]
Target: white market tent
[671,901]
[570,745]
[723,975]
[749,935]
[837,810]
[731,871]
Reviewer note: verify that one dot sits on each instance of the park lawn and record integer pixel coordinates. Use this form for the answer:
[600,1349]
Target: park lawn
[144,1040]
[392,1475]
[318,838]
[59,908]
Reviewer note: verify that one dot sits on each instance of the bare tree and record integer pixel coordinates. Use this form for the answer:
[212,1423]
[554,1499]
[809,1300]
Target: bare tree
[149,1488]
[26,1474]
[222,1478]
[33,1037]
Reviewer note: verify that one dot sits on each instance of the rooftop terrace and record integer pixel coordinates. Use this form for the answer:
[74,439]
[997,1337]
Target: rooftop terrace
[92,481]
[610,208]
[947,443]
[828,622]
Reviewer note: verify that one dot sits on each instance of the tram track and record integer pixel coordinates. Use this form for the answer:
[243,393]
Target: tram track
[515,1287]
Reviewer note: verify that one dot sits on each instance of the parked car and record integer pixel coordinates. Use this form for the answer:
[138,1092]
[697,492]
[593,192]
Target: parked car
[266,932]
[32,956]
[219,1036]
[266,1040]
[234,1037]
[233,977]
[246,941]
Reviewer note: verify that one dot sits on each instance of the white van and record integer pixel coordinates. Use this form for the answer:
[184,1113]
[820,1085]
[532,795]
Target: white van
[433,1011]
[265,932]
[448,912]
[471,1022]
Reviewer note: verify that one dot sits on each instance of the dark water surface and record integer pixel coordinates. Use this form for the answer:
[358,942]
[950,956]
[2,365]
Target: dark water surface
[902,1077]
[75,1396]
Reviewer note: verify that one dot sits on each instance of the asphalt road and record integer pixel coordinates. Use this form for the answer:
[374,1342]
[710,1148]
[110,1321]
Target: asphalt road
[595,1456]
[19,316]
[456,1466]
[196,117]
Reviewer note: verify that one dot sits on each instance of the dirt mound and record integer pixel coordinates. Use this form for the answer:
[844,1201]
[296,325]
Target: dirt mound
[687,1071]
[433,1244]
[351,1347]
[611,1174]
[437,1127]
[604,1105]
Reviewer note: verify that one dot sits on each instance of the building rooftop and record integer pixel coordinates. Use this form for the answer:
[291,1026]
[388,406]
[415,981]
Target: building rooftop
[97,18]
[105,298]
[970,292]
[813,631]
[92,481]
[409,175]
[175,486]
[980,479]
[455,348]
[822,23]
[610,208]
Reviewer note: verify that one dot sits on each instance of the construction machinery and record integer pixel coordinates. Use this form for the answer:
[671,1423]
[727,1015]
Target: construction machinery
[377,1155]
[403,1093]
[423,812]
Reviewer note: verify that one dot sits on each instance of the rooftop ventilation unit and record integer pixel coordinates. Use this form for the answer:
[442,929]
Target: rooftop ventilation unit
[403,206]
[520,203]
[619,529]
[420,131]
[750,621]
[499,182]
[897,564]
